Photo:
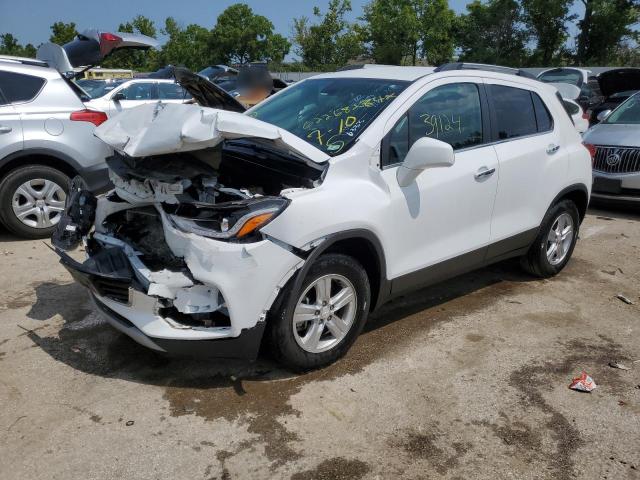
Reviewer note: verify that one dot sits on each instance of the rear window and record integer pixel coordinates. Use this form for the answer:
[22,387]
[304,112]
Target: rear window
[562,75]
[18,88]
[514,112]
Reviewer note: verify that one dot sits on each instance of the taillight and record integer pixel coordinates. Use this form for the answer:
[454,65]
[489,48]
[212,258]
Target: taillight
[108,41]
[592,151]
[91,116]
[586,115]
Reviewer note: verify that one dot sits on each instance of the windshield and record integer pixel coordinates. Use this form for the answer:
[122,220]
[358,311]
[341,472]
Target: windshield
[329,113]
[98,88]
[574,77]
[627,113]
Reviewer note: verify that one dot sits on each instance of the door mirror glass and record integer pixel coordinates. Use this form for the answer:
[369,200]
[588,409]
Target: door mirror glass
[424,153]
[603,114]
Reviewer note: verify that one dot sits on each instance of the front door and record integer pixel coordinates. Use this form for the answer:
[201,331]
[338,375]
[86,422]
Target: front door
[446,213]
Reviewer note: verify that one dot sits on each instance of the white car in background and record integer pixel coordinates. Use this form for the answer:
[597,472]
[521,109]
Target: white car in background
[136,92]
[579,116]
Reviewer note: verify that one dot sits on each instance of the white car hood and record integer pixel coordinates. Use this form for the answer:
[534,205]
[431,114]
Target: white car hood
[161,128]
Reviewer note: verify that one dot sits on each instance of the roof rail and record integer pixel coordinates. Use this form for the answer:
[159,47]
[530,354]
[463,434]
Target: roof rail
[481,66]
[23,61]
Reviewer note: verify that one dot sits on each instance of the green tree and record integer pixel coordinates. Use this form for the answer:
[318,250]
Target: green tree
[240,36]
[392,30]
[141,60]
[62,33]
[547,22]
[185,46]
[605,26]
[9,46]
[329,43]
[437,23]
[492,32]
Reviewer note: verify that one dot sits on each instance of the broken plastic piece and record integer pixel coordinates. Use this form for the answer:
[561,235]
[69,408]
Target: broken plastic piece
[618,365]
[624,299]
[583,383]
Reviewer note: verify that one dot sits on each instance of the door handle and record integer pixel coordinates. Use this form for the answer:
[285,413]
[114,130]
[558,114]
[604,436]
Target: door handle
[484,172]
[5,129]
[551,149]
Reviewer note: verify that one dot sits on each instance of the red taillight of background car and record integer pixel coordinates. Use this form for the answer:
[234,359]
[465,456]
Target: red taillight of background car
[592,151]
[586,115]
[108,41]
[91,116]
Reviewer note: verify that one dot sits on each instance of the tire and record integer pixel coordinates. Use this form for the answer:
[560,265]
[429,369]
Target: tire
[47,191]
[537,261]
[286,342]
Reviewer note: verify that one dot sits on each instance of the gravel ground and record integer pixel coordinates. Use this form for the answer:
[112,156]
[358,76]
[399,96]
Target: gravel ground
[465,380]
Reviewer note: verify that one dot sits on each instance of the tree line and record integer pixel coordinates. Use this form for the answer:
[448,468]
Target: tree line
[399,32]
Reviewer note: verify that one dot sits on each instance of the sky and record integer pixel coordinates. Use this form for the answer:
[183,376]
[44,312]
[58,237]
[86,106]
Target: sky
[29,20]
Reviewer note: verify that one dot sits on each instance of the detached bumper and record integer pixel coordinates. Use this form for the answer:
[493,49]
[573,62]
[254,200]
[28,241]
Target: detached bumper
[245,346]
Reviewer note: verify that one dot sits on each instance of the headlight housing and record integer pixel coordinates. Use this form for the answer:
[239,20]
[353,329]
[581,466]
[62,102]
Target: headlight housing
[231,221]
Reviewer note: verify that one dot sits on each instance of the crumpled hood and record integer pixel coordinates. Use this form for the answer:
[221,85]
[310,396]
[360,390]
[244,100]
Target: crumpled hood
[161,128]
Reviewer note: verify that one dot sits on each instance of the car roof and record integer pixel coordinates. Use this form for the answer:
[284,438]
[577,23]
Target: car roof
[412,74]
[28,66]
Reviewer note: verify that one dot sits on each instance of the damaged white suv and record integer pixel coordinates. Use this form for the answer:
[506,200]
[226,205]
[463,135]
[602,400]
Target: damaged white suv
[297,218]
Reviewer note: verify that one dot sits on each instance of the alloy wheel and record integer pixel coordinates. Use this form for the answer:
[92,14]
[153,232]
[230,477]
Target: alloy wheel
[559,239]
[324,313]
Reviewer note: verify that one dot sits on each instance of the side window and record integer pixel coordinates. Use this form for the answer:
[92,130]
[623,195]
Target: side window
[514,112]
[172,91]
[543,117]
[140,91]
[17,87]
[450,113]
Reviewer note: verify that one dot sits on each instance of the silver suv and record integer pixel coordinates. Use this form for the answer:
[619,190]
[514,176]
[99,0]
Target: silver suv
[46,130]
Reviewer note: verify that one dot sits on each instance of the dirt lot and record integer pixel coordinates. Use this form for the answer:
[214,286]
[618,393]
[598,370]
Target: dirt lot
[465,380]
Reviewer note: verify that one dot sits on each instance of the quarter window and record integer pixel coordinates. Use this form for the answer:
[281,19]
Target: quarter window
[17,87]
[450,113]
[544,120]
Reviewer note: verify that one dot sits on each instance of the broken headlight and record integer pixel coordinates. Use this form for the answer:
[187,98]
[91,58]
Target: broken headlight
[239,221]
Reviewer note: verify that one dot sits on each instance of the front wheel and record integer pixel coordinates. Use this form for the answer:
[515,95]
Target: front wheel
[555,242]
[317,325]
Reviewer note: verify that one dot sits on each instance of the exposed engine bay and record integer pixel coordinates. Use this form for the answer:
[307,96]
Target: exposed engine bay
[135,235]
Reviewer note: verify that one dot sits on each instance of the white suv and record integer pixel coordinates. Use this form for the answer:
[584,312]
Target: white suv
[302,215]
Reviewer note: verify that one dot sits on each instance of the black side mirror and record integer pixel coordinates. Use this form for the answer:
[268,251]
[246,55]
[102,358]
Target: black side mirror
[119,96]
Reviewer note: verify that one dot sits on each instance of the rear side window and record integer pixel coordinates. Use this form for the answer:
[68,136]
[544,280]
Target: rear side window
[18,88]
[140,91]
[172,91]
[572,108]
[514,112]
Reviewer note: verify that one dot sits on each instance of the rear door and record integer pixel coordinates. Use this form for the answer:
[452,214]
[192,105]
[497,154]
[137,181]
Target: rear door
[533,162]
[15,89]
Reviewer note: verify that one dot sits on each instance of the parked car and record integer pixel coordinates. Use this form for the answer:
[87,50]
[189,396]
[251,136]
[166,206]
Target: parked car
[616,85]
[615,143]
[46,131]
[133,93]
[579,116]
[299,216]
[218,73]
[590,94]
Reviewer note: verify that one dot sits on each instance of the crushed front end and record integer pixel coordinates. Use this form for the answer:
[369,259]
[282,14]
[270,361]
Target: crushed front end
[175,255]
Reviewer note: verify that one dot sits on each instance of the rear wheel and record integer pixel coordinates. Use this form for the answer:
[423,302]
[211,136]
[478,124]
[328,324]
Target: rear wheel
[327,315]
[32,200]
[555,242]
